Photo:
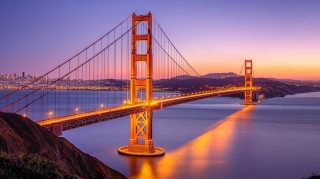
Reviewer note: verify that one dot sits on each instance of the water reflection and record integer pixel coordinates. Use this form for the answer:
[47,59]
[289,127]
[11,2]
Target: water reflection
[200,157]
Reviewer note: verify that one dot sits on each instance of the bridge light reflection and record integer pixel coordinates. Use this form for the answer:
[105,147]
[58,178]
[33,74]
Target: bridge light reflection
[208,151]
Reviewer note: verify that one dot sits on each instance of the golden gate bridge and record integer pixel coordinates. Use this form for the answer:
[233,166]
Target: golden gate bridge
[131,70]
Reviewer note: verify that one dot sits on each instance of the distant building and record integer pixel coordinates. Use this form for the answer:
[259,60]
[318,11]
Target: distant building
[23,74]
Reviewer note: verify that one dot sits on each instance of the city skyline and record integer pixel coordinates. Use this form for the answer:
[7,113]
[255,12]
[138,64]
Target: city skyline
[280,36]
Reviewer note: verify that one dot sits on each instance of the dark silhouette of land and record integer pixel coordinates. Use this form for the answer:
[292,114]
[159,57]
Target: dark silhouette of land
[29,151]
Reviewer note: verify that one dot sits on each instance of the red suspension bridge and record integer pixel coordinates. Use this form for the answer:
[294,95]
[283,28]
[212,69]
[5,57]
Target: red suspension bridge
[133,70]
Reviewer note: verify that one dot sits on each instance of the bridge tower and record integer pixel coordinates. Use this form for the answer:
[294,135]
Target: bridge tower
[248,82]
[141,142]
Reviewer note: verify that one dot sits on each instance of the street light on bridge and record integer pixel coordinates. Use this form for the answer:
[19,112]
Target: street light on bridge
[50,113]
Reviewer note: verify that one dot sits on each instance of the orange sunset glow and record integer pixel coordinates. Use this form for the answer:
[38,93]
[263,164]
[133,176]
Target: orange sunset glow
[205,89]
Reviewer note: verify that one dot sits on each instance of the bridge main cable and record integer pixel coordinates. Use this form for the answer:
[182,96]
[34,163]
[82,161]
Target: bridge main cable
[65,62]
[159,26]
[66,75]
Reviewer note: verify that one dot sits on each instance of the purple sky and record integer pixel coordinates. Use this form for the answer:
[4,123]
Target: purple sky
[281,36]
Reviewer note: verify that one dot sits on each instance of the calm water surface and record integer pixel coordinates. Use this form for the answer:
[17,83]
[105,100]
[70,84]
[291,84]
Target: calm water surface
[218,138]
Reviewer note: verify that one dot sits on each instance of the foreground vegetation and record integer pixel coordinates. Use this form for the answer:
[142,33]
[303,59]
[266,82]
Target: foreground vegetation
[29,151]
[31,166]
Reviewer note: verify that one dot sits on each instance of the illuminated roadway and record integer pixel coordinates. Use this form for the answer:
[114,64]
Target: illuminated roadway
[91,117]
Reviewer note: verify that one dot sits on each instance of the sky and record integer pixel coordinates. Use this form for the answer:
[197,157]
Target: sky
[281,36]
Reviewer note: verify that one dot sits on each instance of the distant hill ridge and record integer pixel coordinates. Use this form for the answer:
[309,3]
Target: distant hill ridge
[270,87]
[209,75]
[220,75]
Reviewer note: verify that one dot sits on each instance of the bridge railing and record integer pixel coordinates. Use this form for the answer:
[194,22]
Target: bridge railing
[89,117]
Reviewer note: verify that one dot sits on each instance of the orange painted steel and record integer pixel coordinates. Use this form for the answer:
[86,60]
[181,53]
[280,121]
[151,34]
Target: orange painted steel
[141,142]
[248,82]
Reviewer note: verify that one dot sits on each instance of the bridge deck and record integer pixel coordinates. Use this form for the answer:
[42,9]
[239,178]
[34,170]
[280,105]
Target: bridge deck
[91,117]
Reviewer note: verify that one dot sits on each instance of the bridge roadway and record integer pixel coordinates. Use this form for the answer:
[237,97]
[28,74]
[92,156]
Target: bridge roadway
[91,117]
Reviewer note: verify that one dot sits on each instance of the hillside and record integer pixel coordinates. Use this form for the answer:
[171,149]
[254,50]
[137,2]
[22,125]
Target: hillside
[299,82]
[271,88]
[29,151]
[220,75]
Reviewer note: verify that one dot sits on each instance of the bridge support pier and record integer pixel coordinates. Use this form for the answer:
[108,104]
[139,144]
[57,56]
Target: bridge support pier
[141,129]
[57,129]
[141,142]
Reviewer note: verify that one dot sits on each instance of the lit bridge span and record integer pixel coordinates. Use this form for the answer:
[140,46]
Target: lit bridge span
[131,70]
[91,117]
